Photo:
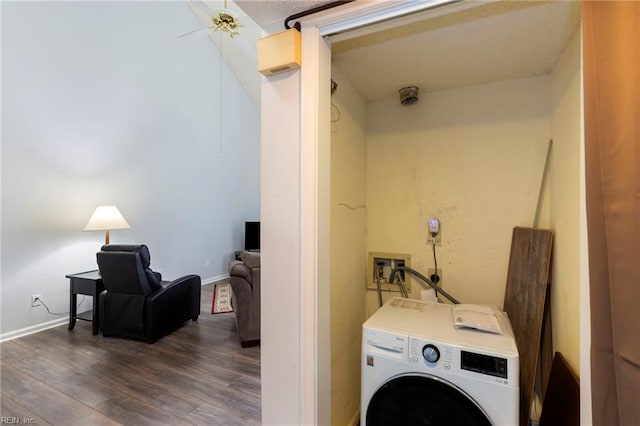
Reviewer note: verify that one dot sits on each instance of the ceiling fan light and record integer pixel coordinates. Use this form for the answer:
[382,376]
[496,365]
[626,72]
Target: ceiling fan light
[226,21]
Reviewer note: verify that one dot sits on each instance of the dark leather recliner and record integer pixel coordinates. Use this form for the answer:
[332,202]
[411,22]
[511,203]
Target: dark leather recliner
[244,277]
[137,304]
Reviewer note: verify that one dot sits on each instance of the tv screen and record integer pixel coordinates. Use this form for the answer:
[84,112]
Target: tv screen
[252,236]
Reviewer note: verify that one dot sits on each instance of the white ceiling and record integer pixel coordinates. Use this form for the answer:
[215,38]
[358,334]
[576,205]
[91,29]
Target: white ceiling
[486,43]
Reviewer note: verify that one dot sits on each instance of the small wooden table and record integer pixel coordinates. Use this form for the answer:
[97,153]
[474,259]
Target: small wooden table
[90,284]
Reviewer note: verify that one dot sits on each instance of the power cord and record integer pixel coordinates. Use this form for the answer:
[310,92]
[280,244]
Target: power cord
[59,313]
[338,111]
[334,87]
[435,263]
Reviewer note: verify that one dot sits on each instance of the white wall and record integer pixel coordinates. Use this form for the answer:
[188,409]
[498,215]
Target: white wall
[103,105]
[564,191]
[348,248]
[473,157]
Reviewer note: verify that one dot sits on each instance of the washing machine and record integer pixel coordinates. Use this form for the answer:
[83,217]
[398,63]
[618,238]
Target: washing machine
[419,369]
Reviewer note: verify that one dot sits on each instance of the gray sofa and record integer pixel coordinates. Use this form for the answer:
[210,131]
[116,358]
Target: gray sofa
[244,277]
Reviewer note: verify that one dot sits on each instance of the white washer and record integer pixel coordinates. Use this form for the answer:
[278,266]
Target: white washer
[418,369]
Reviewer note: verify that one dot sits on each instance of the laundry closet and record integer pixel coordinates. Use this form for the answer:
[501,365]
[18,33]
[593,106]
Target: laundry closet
[492,142]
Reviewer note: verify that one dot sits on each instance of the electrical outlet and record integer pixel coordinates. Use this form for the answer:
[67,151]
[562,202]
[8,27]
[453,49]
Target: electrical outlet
[438,236]
[35,300]
[431,272]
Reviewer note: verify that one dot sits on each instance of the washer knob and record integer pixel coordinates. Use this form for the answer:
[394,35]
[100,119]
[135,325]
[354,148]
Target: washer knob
[430,353]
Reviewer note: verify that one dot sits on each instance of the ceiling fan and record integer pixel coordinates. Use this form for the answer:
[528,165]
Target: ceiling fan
[221,21]
[224,20]
[236,50]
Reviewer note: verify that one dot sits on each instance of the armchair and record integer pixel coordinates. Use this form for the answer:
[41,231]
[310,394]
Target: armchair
[244,277]
[137,304]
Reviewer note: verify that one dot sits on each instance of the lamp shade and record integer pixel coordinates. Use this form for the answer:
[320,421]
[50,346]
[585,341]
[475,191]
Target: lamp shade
[106,218]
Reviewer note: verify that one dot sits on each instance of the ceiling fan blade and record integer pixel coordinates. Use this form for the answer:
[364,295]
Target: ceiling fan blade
[196,34]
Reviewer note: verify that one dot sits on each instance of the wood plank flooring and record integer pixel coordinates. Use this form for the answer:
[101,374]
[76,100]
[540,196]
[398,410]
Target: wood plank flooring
[197,375]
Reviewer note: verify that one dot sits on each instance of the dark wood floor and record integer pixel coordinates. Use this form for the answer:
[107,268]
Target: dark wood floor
[197,375]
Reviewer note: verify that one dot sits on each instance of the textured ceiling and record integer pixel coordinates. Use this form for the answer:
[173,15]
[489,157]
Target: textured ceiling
[494,42]
[487,42]
[270,14]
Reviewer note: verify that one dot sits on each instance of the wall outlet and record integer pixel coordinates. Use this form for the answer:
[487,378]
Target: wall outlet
[438,236]
[207,263]
[431,272]
[35,300]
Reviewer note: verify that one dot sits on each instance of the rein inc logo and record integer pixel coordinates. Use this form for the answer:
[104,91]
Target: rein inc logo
[14,420]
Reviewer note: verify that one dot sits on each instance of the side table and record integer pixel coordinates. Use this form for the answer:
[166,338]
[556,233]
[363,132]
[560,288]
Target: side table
[90,284]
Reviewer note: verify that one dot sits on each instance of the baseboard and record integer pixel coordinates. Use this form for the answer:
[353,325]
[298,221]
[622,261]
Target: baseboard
[33,329]
[215,279]
[60,321]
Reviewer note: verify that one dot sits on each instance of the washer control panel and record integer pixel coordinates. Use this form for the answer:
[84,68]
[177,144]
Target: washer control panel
[430,354]
[437,356]
[484,364]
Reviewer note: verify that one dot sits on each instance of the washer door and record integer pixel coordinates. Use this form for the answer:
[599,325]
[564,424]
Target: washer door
[423,400]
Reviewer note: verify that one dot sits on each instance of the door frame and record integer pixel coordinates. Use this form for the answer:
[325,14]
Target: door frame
[296,342]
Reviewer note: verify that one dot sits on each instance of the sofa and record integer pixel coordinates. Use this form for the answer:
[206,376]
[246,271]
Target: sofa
[244,277]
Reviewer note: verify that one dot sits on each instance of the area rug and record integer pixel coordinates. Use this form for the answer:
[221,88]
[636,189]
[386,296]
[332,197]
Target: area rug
[221,299]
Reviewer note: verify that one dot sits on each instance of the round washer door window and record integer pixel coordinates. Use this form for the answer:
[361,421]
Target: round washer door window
[418,400]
